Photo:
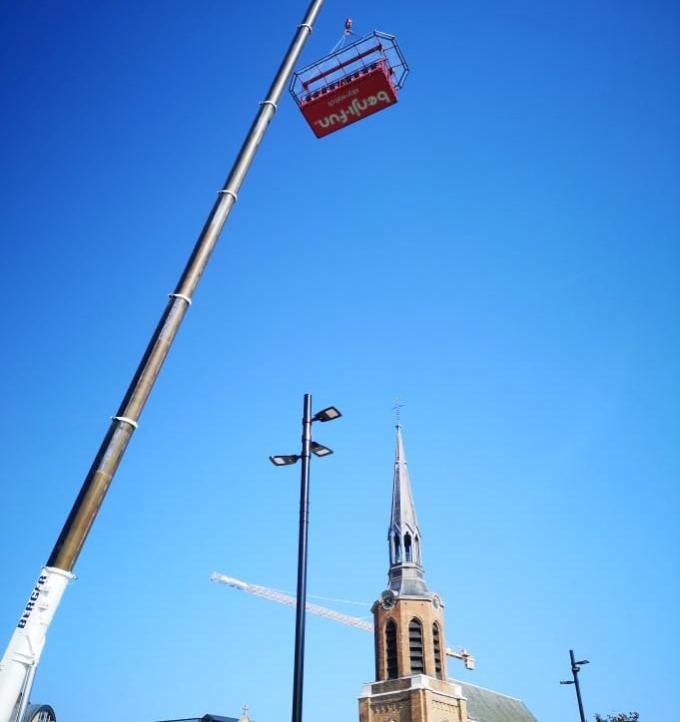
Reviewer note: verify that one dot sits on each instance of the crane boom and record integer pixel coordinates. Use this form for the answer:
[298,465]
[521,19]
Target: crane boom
[282,598]
[18,664]
[267,593]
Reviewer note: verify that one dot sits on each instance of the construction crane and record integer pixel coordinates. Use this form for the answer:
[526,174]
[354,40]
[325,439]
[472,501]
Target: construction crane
[290,601]
[19,663]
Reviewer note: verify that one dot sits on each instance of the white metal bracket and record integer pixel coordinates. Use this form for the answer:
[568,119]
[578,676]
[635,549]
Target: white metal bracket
[227,192]
[182,296]
[125,420]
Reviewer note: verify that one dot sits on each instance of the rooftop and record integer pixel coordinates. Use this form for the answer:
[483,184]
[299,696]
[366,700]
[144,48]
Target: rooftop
[485,705]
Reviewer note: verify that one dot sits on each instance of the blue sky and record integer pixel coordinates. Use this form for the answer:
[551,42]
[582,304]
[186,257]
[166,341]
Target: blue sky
[500,250]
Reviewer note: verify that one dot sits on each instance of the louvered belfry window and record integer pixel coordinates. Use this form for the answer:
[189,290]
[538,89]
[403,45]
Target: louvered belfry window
[408,552]
[391,649]
[415,644]
[437,651]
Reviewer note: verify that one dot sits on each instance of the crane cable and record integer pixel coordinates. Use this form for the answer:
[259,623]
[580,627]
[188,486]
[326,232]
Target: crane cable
[345,34]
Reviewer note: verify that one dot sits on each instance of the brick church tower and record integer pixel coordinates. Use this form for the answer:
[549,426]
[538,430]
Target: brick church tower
[410,651]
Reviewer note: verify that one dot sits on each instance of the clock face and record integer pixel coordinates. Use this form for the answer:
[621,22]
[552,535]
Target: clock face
[388,599]
[436,601]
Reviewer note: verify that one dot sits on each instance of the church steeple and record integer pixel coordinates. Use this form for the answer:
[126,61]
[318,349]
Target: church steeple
[408,620]
[406,570]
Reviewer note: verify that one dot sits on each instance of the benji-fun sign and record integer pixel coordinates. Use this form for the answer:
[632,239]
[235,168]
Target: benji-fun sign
[352,100]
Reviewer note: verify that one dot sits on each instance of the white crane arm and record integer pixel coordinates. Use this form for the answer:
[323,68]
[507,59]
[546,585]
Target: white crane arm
[21,658]
[290,601]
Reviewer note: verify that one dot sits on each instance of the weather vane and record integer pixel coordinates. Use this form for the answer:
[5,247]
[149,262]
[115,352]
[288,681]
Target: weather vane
[398,406]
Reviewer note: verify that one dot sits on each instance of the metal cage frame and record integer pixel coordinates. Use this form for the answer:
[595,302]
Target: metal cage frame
[353,58]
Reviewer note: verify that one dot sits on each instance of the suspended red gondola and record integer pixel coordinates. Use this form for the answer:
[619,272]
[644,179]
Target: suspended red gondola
[351,83]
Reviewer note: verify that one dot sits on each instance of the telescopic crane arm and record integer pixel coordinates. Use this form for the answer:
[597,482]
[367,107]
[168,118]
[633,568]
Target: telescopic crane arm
[18,665]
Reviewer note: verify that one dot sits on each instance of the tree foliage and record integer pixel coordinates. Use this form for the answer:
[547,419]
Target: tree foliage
[621,717]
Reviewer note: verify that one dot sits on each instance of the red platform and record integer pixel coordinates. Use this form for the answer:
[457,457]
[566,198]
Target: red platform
[349,100]
[350,83]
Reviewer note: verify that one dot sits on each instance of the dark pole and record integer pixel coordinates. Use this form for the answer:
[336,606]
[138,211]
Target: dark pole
[575,670]
[124,423]
[300,610]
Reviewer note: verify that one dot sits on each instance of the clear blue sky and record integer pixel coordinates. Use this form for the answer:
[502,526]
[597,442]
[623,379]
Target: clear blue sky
[500,249]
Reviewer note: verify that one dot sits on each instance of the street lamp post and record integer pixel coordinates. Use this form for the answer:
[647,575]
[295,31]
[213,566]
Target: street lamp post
[575,669]
[308,447]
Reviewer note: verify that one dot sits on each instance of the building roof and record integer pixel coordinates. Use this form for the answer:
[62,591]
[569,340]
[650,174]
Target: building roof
[485,705]
[406,571]
[206,718]
[403,516]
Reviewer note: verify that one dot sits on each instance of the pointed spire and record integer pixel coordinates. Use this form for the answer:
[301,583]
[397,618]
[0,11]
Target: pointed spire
[406,571]
[403,518]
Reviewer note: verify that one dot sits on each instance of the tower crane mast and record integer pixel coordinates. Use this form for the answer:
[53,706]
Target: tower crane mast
[290,601]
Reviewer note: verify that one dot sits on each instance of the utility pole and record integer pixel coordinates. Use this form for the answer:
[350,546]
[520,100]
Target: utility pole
[18,665]
[575,669]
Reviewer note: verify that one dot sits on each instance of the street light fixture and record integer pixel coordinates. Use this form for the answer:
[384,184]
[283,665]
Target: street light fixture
[575,669]
[320,449]
[308,447]
[328,414]
[284,460]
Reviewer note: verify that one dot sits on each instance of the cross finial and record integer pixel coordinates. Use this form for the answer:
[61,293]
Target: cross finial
[245,711]
[398,406]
